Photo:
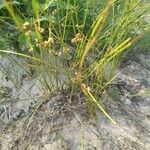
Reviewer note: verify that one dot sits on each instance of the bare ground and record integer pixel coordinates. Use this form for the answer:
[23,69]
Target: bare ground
[56,125]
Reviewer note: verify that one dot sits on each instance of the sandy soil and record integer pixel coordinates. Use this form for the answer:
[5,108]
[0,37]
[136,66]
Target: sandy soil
[56,125]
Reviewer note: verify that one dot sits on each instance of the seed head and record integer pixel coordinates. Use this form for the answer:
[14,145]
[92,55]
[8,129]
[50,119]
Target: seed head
[93,41]
[77,39]
[46,44]
[73,40]
[51,40]
[26,26]
[31,49]
[28,33]
[42,30]
[78,35]
[65,49]
[83,86]
[88,89]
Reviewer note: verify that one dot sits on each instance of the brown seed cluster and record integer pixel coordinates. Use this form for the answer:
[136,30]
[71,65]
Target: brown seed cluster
[26,26]
[41,30]
[31,49]
[65,49]
[77,39]
[85,87]
[93,41]
[45,44]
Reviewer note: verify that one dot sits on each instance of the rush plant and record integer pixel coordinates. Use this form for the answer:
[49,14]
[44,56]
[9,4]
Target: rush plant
[78,43]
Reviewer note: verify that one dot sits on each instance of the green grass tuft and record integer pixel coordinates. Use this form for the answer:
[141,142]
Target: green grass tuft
[77,43]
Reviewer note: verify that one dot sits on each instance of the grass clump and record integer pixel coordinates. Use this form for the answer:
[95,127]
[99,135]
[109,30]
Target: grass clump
[77,43]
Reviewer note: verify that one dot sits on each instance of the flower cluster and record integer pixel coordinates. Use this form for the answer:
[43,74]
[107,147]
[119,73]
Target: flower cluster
[86,89]
[26,28]
[45,44]
[77,39]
